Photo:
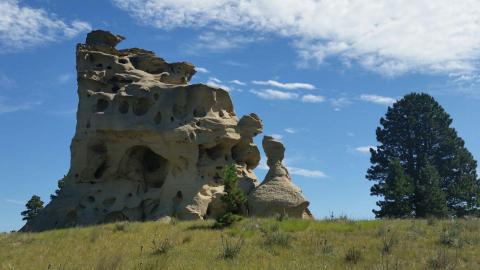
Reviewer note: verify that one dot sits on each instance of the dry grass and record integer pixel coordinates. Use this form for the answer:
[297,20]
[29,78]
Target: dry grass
[265,244]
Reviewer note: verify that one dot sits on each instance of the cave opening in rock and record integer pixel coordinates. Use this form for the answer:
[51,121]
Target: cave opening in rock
[143,165]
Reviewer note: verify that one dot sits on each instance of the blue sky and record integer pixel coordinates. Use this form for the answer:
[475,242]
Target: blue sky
[319,73]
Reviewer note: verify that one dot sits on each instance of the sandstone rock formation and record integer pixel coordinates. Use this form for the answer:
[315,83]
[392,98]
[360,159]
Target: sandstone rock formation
[277,194]
[148,145]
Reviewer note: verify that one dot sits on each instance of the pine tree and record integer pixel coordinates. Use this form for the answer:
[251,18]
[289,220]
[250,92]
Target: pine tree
[417,128]
[234,198]
[398,193]
[430,201]
[34,206]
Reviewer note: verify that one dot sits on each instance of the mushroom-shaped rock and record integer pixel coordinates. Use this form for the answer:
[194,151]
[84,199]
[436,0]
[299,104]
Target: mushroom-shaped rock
[250,125]
[277,194]
[103,38]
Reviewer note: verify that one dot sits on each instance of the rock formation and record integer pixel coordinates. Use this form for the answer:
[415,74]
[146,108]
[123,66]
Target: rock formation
[277,194]
[148,145]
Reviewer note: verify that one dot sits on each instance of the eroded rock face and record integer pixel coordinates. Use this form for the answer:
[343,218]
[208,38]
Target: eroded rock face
[277,194]
[147,145]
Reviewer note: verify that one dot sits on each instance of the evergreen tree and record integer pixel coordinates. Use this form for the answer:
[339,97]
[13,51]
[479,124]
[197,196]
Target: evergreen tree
[60,185]
[431,201]
[34,206]
[398,193]
[234,198]
[414,129]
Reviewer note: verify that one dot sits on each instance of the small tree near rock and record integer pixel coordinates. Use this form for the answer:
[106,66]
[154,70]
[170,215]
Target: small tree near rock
[234,198]
[34,206]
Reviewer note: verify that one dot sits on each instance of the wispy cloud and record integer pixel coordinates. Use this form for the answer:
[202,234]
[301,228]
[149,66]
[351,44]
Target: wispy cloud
[389,37]
[9,106]
[296,171]
[202,70]
[237,82]
[13,201]
[312,99]
[289,86]
[306,172]
[278,137]
[64,78]
[22,27]
[340,103]
[216,83]
[381,100]
[290,130]
[365,149]
[272,94]
[216,42]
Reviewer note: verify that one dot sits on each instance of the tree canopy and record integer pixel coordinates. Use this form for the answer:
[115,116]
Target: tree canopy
[438,174]
[34,206]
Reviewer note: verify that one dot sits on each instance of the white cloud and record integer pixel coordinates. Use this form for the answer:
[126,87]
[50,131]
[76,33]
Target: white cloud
[390,37]
[237,82]
[289,86]
[64,78]
[296,171]
[23,27]
[312,99]
[290,130]
[350,134]
[378,99]
[13,201]
[365,149]
[306,172]
[202,70]
[218,42]
[216,83]
[8,106]
[277,137]
[272,94]
[339,103]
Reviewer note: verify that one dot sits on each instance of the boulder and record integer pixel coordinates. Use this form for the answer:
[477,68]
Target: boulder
[277,194]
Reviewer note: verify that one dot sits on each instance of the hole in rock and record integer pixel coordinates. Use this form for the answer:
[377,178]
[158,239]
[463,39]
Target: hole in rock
[179,195]
[158,118]
[142,106]
[99,172]
[115,88]
[99,65]
[141,164]
[216,152]
[122,61]
[91,199]
[109,67]
[102,105]
[123,108]
[172,119]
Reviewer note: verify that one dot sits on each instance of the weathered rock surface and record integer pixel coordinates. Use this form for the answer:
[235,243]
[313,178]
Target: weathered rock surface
[277,194]
[148,146]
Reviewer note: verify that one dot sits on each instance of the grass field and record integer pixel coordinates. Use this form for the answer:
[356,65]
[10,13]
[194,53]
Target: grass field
[250,244]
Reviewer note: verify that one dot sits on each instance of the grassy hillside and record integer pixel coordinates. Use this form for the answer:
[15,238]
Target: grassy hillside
[251,244]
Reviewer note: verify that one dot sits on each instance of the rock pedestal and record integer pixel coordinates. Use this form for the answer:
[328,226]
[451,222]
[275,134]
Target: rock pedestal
[277,195]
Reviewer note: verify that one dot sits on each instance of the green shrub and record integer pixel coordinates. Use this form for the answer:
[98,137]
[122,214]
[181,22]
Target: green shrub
[231,248]
[353,255]
[162,246]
